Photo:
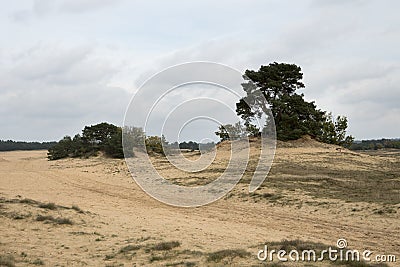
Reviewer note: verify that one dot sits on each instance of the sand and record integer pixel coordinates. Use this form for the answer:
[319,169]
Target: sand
[110,212]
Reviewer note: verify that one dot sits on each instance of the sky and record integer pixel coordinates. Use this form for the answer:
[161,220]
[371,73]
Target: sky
[65,64]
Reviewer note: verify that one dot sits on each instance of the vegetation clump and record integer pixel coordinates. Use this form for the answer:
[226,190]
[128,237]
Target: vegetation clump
[10,145]
[227,253]
[107,138]
[48,218]
[7,260]
[167,245]
[272,90]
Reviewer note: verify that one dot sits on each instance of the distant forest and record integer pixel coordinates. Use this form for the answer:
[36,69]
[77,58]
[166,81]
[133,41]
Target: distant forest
[10,145]
[375,144]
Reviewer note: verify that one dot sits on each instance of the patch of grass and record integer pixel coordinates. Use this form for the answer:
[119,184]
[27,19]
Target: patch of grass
[49,206]
[227,253]
[109,256]
[38,262]
[129,248]
[182,263]
[29,201]
[7,260]
[385,210]
[115,265]
[363,183]
[77,209]
[79,233]
[18,216]
[154,258]
[166,245]
[63,221]
[59,220]
[269,196]
[15,215]
[191,252]
[143,238]
[41,218]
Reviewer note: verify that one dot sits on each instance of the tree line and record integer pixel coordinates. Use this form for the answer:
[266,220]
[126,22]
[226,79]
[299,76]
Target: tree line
[10,145]
[375,144]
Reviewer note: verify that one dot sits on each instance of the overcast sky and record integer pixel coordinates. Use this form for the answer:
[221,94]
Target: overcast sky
[69,63]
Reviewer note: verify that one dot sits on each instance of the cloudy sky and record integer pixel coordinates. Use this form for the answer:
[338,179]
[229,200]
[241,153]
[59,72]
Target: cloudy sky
[69,63]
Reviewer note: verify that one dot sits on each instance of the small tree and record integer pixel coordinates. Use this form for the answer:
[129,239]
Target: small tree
[154,144]
[134,138]
[60,150]
[252,130]
[334,131]
[98,135]
[272,90]
[231,132]
[113,145]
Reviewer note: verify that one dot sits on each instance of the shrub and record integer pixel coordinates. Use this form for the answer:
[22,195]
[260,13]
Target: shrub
[154,144]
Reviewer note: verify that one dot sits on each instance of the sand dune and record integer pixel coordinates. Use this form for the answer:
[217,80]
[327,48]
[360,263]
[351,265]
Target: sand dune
[101,217]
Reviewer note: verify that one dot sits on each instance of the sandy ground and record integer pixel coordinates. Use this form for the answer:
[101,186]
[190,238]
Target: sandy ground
[112,222]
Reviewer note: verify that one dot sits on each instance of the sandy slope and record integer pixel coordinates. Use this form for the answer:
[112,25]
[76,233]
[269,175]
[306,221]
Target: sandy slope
[116,213]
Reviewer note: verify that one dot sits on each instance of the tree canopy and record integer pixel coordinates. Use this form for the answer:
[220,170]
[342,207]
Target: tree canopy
[274,87]
[103,137]
[106,138]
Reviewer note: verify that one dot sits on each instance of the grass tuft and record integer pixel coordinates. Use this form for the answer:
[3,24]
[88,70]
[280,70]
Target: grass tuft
[76,208]
[28,201]
[167,245]
[38,262]
[49,206]
[129,248]
[7,260]
[227,253]
[59,220]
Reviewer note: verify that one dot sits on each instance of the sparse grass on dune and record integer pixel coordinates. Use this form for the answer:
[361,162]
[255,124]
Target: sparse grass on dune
[7,260]
[166,245]
[50,206]
[49,218]
[313,191]
[317,169]
[229,254]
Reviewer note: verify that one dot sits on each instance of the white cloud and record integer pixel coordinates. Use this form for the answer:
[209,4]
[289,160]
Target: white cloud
[60,89]
[68,63]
